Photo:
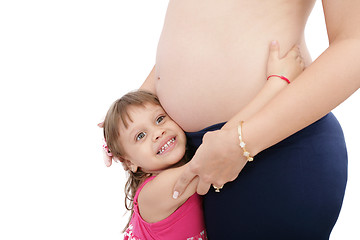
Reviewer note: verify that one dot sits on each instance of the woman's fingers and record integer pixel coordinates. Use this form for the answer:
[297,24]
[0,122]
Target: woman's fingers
[203,187]
[274,50]
[294,51]
[300,61]
[186,177]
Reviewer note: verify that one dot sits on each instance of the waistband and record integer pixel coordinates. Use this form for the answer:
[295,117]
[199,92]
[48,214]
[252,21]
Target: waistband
[194,139]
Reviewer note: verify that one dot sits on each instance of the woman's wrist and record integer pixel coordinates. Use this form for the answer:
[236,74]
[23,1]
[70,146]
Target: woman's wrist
[246,135]
[276,81]
[249,157]
[233,138]
[232,135]
[276,76]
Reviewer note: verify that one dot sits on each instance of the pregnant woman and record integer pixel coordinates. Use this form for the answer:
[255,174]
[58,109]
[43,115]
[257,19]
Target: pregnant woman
[210,64]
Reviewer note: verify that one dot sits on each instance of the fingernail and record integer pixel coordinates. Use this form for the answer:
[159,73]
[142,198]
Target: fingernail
[175,195]
[273,43]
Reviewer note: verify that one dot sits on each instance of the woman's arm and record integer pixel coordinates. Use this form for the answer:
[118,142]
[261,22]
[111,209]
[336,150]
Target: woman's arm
[290,66]
[156,198]
[331,79]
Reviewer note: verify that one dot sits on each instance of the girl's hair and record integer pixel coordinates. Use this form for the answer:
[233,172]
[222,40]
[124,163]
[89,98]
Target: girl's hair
[118,113]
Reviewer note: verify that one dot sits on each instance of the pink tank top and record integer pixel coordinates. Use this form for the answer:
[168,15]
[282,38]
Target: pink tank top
[187,222]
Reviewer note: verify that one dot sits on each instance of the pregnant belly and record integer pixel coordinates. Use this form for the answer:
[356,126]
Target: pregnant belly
[202,91]
[209,65]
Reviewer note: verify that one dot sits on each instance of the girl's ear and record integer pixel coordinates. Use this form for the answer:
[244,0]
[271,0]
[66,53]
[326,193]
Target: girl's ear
[133,167]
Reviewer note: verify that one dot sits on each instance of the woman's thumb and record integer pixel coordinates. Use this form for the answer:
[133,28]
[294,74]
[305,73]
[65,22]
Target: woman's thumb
[274,49]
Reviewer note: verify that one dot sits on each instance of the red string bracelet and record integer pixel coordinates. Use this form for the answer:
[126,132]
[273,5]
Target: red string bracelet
[282,77]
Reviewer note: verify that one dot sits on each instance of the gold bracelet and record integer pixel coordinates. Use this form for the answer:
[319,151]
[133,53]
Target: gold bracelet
[242,144]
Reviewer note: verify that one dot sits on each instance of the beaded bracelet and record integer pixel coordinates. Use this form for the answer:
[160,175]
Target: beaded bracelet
[242,144]
[282,77]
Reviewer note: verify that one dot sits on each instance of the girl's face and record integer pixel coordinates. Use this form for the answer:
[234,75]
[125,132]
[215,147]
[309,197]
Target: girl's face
[152,140]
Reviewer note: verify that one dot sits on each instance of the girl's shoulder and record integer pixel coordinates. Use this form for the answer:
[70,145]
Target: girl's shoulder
[138,190]
[155,201]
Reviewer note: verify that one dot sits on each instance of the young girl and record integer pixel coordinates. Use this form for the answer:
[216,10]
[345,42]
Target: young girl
[152,146]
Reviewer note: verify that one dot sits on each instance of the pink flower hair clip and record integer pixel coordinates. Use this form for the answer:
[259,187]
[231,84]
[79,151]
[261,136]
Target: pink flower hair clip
[108,156]
[106,149]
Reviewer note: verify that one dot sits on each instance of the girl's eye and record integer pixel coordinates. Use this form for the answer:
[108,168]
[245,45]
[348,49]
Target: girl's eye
[160,119]
[140,136]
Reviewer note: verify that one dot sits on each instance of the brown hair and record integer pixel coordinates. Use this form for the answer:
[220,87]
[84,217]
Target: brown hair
[118,113]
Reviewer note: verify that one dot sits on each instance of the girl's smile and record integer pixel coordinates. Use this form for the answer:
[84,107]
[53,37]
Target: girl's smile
[167,146]
[152,140]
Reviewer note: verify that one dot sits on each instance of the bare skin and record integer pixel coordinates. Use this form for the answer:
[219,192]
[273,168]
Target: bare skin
[208,49]
[155,199]
[206,45]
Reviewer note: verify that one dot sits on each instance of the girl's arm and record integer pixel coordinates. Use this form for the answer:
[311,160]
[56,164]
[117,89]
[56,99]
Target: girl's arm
[156,200]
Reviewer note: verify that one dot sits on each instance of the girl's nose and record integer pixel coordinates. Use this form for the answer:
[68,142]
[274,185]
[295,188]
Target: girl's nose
[158,134]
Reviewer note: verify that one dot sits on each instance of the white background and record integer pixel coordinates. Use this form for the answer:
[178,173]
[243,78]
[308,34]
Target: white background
[62,63]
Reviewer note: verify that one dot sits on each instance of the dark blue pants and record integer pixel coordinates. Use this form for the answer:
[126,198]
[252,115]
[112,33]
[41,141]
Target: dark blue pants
[292,190]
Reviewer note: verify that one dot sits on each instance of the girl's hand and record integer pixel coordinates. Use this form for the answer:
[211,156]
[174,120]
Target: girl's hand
[290,66]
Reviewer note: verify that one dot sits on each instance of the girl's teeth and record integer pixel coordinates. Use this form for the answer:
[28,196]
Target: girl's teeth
[166,145]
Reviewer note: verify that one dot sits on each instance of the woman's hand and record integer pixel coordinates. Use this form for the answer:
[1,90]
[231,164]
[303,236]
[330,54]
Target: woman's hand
[290,66]
[217,161]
